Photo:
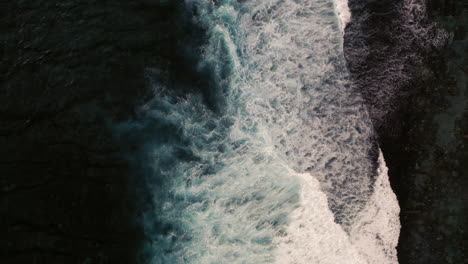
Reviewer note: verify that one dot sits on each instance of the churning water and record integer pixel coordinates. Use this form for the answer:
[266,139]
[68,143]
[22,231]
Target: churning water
[282,167]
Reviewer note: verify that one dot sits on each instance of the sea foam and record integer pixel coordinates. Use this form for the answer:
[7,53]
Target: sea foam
[343,13]
[281,169]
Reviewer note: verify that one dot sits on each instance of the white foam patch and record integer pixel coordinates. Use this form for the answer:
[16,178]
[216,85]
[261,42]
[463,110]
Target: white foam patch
[343,13]
[376,230]
[312,235]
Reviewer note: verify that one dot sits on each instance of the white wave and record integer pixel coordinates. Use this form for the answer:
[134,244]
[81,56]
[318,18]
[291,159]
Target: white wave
[376,229]
[283,172]
[298,86]
[312,235]
[343,13]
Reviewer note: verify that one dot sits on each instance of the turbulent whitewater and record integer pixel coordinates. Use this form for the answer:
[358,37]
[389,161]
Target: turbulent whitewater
[278,161]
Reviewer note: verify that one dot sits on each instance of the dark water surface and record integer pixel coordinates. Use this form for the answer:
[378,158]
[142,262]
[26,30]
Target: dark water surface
[420,113]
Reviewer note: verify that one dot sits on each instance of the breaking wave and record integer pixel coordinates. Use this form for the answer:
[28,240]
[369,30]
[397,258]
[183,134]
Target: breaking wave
[277,162]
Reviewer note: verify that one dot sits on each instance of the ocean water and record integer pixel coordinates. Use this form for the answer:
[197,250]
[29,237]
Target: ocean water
[277,161]
[387,49]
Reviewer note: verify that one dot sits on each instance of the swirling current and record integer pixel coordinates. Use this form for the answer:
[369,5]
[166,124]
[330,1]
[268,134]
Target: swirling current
[277,160]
